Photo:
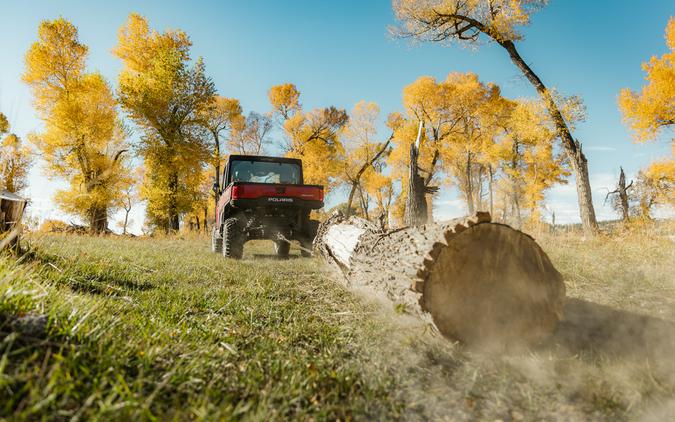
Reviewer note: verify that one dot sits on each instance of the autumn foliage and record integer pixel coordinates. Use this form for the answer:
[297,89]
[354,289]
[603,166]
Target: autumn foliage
[83,140]
[500,154]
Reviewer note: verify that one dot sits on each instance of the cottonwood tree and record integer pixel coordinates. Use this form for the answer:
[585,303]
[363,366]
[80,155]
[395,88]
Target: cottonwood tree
[428,118]
[129,197]
[652,110]
[4,124]
[15,162]
[222,118]
[463,21]
[380,187]
[165,95]
[450,112]
[528,161]
[466,153]
[363,152]
[656,186]
[83,139]
[312,136]
[252,137]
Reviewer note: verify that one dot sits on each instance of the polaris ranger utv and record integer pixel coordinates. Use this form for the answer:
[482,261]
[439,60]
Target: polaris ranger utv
[264,198]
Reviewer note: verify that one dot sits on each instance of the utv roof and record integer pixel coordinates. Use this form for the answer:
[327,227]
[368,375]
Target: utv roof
[264,158]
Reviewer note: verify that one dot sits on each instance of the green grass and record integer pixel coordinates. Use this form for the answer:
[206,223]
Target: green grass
[162,329]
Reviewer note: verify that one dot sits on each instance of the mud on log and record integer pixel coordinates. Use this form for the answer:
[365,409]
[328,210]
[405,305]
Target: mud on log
[478,282]
[11,211]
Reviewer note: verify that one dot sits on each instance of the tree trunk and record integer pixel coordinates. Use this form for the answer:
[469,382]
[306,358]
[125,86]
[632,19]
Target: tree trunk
[350,199]
[623,196]
[416,204]
[572,148]
[515,193]
[173,217]
[126,220]
[481,283]
[469,186]
[364,203]
[479,194]
[491,189]
[216,166]
[98,220]
[206,216]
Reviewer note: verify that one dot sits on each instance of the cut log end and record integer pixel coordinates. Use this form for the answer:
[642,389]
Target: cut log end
[492,285]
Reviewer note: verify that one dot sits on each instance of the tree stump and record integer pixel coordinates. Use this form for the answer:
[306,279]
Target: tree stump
[11,212]
[478,282]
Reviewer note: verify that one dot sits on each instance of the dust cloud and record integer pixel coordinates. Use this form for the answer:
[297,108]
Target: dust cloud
[600,364]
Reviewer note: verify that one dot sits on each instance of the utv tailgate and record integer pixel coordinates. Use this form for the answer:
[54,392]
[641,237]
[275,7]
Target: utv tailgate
[266,194]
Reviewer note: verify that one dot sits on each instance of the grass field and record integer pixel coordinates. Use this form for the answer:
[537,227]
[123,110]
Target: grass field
[117,328]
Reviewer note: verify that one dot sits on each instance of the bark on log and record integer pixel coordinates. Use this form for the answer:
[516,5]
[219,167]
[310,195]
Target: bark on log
[481,283]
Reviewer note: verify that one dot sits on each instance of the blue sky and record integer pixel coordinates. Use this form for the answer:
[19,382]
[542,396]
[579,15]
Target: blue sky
[338,53]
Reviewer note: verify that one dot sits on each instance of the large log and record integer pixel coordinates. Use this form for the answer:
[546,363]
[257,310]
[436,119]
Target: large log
[478,282]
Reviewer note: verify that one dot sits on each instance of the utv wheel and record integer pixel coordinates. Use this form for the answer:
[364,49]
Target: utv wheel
[282,248]
[216,241]
[233,241]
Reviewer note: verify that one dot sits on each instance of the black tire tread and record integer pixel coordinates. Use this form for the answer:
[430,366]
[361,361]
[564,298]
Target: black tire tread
[233,242]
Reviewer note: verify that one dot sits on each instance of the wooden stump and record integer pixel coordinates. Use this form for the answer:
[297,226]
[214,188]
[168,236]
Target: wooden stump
[11,211]
[478,282]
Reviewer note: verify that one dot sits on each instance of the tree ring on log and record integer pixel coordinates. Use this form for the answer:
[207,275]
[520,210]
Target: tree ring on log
[492,285]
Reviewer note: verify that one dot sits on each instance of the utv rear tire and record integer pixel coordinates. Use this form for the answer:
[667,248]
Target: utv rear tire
[282,248]
[216,241]
[233,239]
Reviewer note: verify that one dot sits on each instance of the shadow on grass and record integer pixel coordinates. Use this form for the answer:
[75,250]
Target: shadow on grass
[85,279]
[590,328]
[105,285]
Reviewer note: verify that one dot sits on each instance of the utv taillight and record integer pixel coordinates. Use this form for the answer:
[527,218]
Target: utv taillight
[236,192]
[321,194]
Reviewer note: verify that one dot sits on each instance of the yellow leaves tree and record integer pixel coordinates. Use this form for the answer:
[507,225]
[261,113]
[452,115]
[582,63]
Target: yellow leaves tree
[462,21]
[285,100]
[452,113]
[252,137]
[15,161]
[363,155]
[83,139]
[222,117]
[4,124]
[165,97]
[379,186]
[653,109]
[528,160]
[312,136]
[467,151]
[655,186]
